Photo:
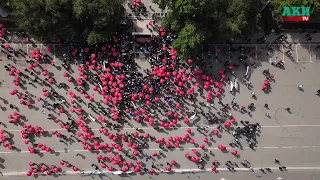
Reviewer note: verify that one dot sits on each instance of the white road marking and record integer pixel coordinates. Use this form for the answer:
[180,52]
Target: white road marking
[94,172]
[214,127]
[156,149]
[54,53]
[270,147]
[5,152]
[81,150]
[297,53]
[61,151]
[310,53]
[291,126]
[270,60]
[148,128]
[282,53]
[207,148]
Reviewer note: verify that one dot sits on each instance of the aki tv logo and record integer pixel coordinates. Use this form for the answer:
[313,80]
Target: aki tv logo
[301,13]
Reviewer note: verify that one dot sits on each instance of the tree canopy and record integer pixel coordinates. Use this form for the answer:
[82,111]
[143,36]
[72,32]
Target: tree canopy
[200,21]
[94,19]
[189,41]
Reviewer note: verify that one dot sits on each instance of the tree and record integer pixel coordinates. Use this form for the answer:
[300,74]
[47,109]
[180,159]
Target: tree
[95,37]
[47,19]
[213,20]
[189,41]
[314,7]
[4,3]
[100,17]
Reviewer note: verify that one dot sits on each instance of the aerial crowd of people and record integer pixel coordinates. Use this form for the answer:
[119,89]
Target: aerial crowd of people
[126,96]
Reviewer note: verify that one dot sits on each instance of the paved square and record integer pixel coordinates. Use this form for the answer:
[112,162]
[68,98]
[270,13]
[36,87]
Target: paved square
[315,54]
[284,135]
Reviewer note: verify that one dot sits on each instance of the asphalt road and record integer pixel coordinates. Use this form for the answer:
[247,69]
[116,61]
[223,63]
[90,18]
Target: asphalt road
[291,138]
[289,175]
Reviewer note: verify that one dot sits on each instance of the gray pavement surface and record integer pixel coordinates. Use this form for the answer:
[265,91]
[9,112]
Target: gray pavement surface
[291,138]
[153,10]
[297,37]
[289,175]
[292,37]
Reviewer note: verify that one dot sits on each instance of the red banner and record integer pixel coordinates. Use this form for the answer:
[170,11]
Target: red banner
[296,18]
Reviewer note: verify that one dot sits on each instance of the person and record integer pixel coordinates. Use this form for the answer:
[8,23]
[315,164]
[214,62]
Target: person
[287,109]
[276,161]
[251,106]
[300,86]
[266,72]
[261,169]
[153,166]
[249,84]
[253,94]
[280,63]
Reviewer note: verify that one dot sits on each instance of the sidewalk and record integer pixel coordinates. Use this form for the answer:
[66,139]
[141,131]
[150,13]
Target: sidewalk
[292,38]
[140,27]
[153,10]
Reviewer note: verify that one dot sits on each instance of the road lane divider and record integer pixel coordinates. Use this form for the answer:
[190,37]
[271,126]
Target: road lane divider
[92,172]
[156,149]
